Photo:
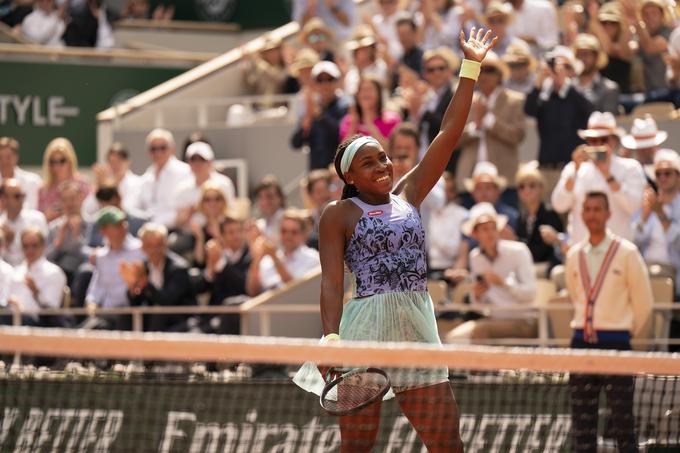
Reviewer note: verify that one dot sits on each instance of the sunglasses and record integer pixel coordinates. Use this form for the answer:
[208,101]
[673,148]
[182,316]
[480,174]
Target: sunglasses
[31,245]
[598,141]
[527,185]
[497,20]
[197,159]
[211,199]
[518,64]
[664,173]
[431,69]
[488,69]
[158,149]
[54,162]
[316,37]
[325,79]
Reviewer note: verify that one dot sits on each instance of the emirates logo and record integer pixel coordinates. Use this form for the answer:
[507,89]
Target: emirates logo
[375,213]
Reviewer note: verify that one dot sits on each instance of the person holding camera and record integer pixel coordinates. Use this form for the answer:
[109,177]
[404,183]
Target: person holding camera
[560,111]
[594,166]
[504,280]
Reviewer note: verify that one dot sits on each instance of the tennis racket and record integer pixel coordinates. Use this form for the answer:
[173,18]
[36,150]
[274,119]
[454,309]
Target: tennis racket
[353,390]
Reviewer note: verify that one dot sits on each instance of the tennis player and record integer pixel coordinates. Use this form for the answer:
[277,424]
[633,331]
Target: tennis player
[381,238]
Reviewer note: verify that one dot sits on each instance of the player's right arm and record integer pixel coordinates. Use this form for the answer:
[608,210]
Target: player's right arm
[332,250]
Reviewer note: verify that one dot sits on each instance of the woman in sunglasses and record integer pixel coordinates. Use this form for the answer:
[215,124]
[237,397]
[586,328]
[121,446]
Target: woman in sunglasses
[539,227]
[60,164]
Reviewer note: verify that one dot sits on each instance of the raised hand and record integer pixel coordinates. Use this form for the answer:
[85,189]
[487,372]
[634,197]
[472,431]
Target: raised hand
[478,44]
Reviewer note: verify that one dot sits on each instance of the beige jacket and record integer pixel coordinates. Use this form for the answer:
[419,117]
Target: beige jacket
[502,138]
[625,301]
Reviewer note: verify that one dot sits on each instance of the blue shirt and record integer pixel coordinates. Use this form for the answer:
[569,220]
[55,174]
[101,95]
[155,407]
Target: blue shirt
[107,288]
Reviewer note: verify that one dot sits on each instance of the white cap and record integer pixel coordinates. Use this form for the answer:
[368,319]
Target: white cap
[326,67]
[482,213]
[200,149]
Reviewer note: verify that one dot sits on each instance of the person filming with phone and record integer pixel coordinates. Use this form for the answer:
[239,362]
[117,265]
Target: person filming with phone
[595,166]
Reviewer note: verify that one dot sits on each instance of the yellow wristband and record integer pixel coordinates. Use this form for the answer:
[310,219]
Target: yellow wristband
[330,337]
[470,69]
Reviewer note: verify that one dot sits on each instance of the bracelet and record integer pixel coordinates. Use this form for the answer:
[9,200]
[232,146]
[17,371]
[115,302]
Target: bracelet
[328,338]
[470,69]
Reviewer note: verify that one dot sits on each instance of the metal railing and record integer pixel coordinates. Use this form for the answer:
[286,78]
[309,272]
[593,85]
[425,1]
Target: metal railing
[265,313]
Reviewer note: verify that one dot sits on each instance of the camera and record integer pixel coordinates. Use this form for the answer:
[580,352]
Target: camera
[597,153]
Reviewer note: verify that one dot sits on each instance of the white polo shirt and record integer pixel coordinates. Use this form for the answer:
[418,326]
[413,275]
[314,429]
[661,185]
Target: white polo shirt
[300,262]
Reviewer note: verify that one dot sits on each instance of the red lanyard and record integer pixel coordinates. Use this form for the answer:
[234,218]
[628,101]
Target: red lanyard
[593,292]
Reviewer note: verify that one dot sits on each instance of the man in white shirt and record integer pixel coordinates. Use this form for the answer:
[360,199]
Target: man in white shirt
[271,267]
[403,151]
[609,287]
[200,156]
[37,283]
[657,224]
[446,249]
[535,21]
[30,182]
[116,172]
[595,167]
[45,25]
[6,272]
[505,278]
[158,192]
[16,218]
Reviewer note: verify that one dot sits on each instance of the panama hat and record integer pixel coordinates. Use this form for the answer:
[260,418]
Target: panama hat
[600,124]
[644,134]
[667,158]
[362,36]
[610,12]
[492,59]
[519,52]
[586,41]
[482,213]
[485,172]
[315,24]
[304,58]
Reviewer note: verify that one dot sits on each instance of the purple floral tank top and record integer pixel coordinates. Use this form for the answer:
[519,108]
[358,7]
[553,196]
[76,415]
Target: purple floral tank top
[387,250]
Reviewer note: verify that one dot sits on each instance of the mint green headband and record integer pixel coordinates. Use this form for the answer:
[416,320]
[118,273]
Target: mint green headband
[352,149]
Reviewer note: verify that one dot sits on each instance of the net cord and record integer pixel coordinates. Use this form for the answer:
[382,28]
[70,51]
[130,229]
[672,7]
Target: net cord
[202,347]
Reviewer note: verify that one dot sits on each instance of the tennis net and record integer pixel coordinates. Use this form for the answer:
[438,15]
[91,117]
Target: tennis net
[75,391]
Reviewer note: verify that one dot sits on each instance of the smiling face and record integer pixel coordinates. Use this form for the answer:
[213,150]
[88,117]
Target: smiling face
[371,171]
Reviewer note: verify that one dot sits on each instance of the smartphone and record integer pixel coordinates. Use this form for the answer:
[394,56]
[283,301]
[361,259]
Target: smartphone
[597,153]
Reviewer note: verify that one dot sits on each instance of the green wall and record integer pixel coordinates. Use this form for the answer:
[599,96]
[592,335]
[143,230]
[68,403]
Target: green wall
[249,14]
[40,101]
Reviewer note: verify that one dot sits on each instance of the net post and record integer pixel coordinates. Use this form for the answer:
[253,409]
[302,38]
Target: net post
[265,323]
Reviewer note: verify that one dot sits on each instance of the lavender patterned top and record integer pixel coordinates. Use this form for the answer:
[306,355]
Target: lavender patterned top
[387,250]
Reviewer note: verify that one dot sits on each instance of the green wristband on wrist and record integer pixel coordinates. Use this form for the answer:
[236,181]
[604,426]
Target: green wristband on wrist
[470,69]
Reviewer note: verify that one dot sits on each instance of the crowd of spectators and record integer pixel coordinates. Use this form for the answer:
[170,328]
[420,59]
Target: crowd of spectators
[171,235]
[75,23]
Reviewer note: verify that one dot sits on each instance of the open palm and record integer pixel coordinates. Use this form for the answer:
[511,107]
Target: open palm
[478,44]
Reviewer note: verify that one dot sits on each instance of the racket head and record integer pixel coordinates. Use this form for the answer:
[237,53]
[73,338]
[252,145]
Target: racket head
[353,390]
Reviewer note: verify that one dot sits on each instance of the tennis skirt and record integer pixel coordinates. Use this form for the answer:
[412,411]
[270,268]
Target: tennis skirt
[399,316]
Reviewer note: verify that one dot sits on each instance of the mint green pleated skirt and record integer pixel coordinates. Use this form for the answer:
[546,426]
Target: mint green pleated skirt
[399,316]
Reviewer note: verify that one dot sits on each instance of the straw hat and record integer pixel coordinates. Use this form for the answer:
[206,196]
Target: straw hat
[600,125]
[482,213]
[304,58]
[497,8]
[492,59]
[315,24]
[667,158]
[362,36]
[663,5]
[644,134]
[585,41]
[445,53]
[529,170]
[519,52]
[610,12]
[485,172]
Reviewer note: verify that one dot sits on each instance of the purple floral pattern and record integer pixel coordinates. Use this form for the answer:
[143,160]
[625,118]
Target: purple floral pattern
[387,255]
